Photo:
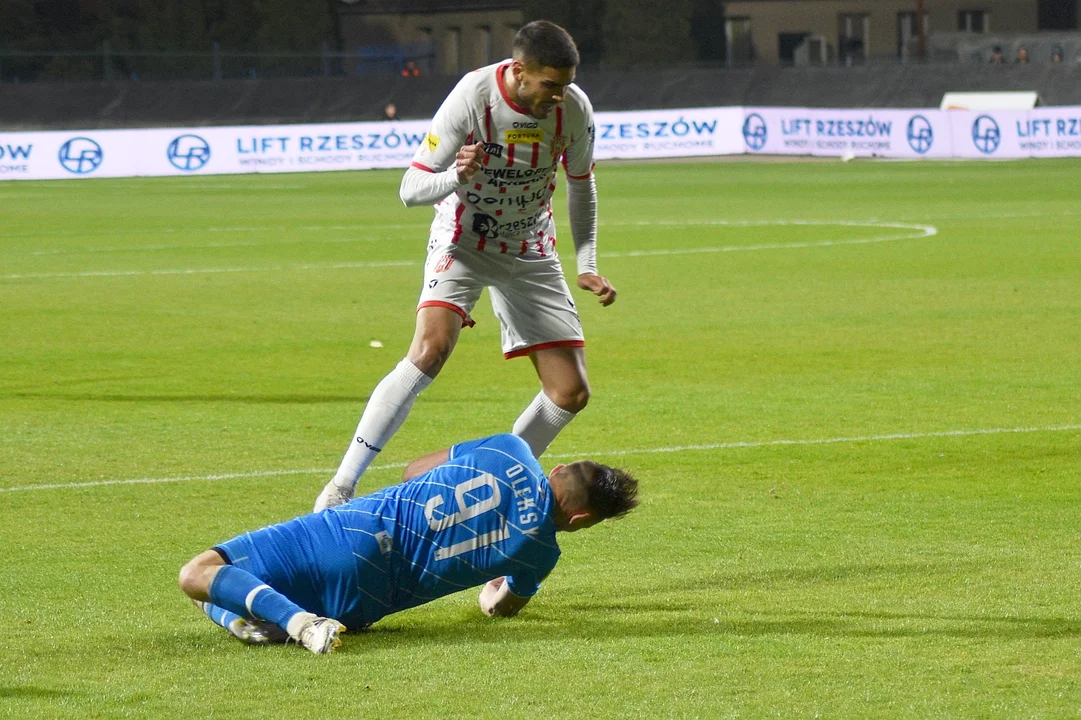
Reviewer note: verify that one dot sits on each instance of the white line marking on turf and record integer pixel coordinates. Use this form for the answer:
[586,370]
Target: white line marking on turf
[595,453]
[913,231]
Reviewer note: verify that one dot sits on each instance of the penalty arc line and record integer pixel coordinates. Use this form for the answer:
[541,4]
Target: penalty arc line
[596,453]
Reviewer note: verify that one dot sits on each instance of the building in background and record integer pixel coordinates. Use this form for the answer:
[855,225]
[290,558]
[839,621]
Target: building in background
[443,37]
[847,32]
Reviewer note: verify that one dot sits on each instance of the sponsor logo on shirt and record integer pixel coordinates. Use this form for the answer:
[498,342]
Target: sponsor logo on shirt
[431,142]
[523,136]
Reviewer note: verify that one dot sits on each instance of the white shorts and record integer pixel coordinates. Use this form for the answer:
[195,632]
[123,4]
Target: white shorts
[530,297]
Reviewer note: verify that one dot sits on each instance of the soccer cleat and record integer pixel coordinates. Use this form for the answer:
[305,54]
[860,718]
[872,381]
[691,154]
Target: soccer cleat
[256,632]
[319,634]
[332,496]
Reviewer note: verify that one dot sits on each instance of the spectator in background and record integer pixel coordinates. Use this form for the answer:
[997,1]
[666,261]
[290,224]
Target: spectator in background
[410,69]
[996,56]
[390,112]
[1022,55]
[1056,55]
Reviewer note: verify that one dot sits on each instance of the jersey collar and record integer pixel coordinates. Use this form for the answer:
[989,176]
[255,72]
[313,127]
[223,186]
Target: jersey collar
[503,91]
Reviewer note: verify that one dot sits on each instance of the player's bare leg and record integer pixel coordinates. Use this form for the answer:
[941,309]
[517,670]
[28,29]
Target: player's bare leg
[434,339]
[207,578]
[564,393]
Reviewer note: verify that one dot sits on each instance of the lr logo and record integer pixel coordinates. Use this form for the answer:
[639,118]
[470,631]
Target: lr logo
[921,136]
[188,153]
[985,134]
[80,155]
[755,132]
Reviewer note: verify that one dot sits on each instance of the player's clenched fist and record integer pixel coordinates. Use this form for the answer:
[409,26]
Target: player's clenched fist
[470,160]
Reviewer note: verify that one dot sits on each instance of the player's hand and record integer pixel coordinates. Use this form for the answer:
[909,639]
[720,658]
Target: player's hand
[469,161]
[599,286]
[489,596]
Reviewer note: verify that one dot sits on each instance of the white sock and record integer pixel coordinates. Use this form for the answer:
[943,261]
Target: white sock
[387,409]
[539,423]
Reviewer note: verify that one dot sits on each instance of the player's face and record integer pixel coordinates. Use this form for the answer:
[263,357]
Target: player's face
[541,88]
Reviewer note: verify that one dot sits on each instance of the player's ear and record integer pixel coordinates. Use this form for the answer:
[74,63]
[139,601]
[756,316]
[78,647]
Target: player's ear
[581,521]
[556,469]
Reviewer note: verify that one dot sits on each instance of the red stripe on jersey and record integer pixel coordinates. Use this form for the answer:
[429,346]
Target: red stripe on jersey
[457,224]
[498,213]
[502,248]
[540,249]
[488,123]
[536,153]
[510,154]
[469,140]
[525,248]
[503,91]
[482,242]
[522,352]
[478,186]
[418,166]
[503,190]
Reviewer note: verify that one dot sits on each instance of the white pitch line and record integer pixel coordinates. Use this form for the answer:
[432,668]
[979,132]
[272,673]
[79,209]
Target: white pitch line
[915,232]
[595,453]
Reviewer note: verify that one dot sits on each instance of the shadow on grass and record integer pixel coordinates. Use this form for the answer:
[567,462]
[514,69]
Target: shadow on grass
[25,692]
[684,611]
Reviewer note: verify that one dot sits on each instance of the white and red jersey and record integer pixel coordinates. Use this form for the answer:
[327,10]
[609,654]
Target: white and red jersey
[506,208]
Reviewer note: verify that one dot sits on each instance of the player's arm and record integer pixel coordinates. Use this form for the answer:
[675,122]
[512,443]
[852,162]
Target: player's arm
[496,599]
[443,162]
[423,464]
[582,207]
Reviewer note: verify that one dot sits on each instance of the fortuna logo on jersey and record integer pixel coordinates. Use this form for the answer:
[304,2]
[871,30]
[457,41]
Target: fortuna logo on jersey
[444,263]
[510,137]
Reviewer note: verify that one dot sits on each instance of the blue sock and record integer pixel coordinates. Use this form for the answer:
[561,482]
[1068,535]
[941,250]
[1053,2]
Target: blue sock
[240,592]
[218,615]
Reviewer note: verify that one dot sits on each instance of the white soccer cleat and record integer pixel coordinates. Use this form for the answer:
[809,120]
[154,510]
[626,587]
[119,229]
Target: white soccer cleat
[332,496]
[319,634]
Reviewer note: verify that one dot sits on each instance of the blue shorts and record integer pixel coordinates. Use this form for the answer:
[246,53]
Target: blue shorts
[319,565]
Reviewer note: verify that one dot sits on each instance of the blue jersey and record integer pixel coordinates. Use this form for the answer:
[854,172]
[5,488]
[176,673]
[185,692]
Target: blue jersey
[485,513]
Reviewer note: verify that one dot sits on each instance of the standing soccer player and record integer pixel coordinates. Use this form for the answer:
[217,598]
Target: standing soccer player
[489,166]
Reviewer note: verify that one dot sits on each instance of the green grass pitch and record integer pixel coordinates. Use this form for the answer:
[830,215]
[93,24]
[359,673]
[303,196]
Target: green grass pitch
[852,393]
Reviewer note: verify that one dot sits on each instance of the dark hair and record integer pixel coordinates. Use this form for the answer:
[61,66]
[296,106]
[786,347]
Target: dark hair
[611,492]
[547,44]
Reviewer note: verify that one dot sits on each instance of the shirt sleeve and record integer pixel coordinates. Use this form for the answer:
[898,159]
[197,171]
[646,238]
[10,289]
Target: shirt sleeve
[582,190]
[527,583]
[432,175]
[469,446]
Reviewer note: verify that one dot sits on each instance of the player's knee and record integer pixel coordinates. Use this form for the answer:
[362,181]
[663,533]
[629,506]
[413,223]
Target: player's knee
[192,579]
[430,356]
[572,399]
